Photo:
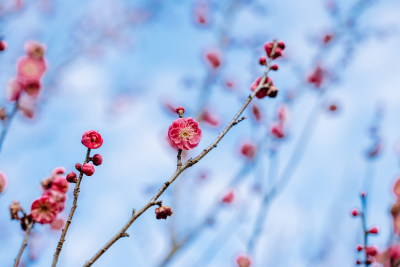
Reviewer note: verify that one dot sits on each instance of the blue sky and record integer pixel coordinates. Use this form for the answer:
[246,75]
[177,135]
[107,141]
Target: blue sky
[109,74]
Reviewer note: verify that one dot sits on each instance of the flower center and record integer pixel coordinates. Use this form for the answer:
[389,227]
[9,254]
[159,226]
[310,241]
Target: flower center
[186,133]
[30,69]
[43,209]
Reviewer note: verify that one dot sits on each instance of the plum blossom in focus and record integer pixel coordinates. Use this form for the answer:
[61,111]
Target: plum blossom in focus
[44,210]
[185,133]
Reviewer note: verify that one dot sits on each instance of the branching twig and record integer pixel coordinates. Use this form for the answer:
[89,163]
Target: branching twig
[71,214]
[189,163]
[24,243]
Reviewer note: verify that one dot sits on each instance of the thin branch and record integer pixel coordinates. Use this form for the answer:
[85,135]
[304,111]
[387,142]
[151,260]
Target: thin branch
[24,243]
[7,122]
[189,163]
[211,214]
[71,214]
[179,159]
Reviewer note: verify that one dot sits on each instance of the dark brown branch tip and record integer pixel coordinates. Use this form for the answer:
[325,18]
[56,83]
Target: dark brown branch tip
[124,235]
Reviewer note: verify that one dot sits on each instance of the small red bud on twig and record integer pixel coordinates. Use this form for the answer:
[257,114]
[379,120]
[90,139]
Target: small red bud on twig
[354,212]
[263,61]
[373,230]
[274,67]
[71,177]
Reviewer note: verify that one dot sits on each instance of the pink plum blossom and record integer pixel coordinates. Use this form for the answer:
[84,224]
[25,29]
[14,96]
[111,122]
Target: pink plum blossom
[185,133]
[60,184]
[44,210]
[30,69]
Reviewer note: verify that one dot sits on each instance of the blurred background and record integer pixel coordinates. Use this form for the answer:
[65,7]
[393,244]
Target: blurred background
[121,67]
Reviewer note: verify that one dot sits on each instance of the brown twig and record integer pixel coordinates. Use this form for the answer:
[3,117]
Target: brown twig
[7,122]
[189,163]
[71,214]
[24,243]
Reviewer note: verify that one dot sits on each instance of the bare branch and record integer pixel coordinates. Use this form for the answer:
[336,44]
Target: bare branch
[71,214]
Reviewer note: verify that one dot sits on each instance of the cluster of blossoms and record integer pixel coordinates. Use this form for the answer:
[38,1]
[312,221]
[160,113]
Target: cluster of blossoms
[45,209]
[370,252]
[391,255]
[92,140]
[273,50]
[278,127]
[30,70]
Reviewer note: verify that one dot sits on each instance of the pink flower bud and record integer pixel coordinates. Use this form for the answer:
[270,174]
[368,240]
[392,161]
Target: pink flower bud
[88,169]
[274,67]
[248,150]
[359,248]
[256,112]
[262,60]
[363,194]
[163,212]
[277,130]
[214,59]
[180,110]
[317,77]
[3,45]
[78,167]
[332,107]
[97,159]
[373,230]
[327,38]
[358,262]
[228,197]
[57,171]
[281,45]
[92,139]
[71,177]
[243,261]
[371,251]
[354,212]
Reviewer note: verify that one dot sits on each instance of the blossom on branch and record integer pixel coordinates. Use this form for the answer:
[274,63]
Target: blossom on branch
[185,133]
[92,139]
[44,210]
